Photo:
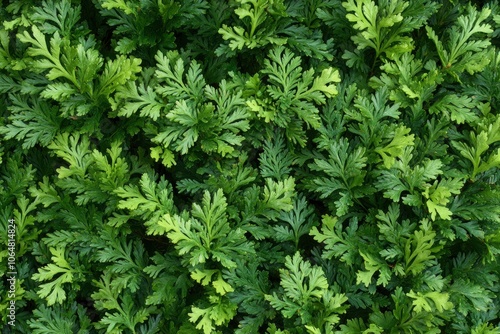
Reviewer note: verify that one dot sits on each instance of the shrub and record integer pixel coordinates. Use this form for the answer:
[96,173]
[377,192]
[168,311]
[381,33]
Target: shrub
[250,166]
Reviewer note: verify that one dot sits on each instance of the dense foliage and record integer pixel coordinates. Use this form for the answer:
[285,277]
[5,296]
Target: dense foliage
[251,166]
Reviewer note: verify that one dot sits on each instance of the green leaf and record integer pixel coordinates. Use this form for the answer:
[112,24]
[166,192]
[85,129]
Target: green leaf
[430,301]
[277,196]
[457,108]
[463,51]
[117,73]
[221,286]
[438,196]
[338,243]
[58,16]
[276,160]
[298,222]
[126,259]
[419,251]
[218,313]
[306,293]
[53,291]
[139,99]
[203,276]
[51,54]
[396,147]
[382,27]
[212,118]
[33,121]
[207,233]
[469,297]
[372,265]
[75,150]
[291,94]
[126,314]
[59,319]
[123,5]
[176,83]
[345,175]
[258,17]
[149,200]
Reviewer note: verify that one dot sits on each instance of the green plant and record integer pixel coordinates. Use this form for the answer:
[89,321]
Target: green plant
[251,166]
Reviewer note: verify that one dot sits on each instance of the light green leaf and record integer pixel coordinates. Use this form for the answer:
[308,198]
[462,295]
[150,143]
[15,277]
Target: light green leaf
[53,291]
[430,301]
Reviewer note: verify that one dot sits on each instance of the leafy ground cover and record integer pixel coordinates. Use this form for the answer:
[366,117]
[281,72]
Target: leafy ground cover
[250,166]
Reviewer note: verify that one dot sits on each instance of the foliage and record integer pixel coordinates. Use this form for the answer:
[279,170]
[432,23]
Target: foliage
[250,166]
